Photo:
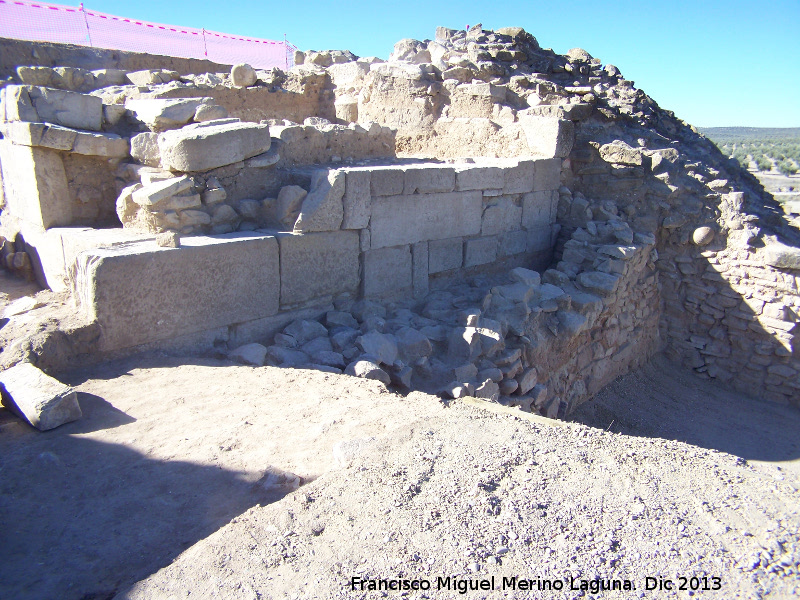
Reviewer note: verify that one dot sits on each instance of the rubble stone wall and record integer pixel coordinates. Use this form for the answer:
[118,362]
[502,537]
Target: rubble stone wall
[20,52]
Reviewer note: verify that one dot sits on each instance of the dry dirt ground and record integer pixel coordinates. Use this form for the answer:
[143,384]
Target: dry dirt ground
[181,481]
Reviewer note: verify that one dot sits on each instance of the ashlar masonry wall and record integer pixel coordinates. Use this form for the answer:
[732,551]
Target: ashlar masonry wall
[386,232]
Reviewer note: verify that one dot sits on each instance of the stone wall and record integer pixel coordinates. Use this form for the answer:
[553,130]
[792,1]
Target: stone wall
[383,232]
[20,52]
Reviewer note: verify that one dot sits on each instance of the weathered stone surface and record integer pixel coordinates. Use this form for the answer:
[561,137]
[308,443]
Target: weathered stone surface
[525,276]
[547,175]
[488,390]
[157,192]
[209,112]
[703,236]
[382,346]
[37,398]
[518,178]
[168,239]
[287,208]
[472,177]
[144,148]
[286,357]
[387,181]
[317,265]
[367,369]
[398,220]
[549,136]
[356,199]
[603,284]
[202,147]
[620,153]
[445,255]
[322,208]
[61,107]
[208,282]
[243,75]
[35,185]
[427,179]
[419,259]
[388,272]
[305,330]
[107,145]
[480,251]
[501,216]
[43,135]
[538,209]
[250,354]
[412,345]
[161,114]
[782,256]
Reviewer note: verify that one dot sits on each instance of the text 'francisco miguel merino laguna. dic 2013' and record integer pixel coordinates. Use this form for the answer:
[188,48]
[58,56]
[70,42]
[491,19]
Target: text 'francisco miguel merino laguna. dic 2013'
[462,586]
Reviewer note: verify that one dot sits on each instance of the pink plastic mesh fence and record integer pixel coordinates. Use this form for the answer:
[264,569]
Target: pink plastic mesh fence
[36,21]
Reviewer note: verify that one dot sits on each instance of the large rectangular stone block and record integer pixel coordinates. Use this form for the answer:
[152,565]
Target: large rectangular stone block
[387,181]
[35,185]
[62,107]
[537,209]
[315,266]
[548,136]
[142,293]
[445,255]
[202,147]
[399,220]
[500,216]
[356,199]
[471,177]
[519,177]
[511,243]
[480,251]
[429,179]
[388,273]
[547,175]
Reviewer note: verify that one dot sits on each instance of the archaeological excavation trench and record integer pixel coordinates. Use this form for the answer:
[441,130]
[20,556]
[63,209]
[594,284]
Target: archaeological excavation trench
[476,216]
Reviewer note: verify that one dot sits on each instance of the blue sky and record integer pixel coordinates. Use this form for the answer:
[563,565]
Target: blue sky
[713,63]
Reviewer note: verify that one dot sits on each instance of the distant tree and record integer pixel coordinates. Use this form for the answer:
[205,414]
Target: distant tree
[763,163]
[787,167]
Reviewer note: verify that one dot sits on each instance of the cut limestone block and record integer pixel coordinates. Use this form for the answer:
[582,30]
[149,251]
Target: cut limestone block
[140,292]
[322,208]
[41,104]
[161,114]
[549,136]
[35,185]
[398,220]
[320,265]
[42,401]
[388,272]
[206,146]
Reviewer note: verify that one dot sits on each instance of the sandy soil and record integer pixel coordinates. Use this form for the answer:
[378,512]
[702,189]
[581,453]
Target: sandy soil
[182,475]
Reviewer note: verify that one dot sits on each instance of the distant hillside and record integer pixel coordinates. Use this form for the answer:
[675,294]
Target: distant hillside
[723,135]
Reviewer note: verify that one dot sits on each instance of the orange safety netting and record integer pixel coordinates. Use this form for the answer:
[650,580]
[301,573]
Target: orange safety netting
[37,21]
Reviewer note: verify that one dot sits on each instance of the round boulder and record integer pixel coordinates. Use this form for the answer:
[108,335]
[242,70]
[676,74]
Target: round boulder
[243,75]
[702,236]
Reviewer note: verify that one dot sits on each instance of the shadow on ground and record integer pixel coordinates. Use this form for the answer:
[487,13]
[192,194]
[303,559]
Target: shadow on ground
[94,516]
[662,400]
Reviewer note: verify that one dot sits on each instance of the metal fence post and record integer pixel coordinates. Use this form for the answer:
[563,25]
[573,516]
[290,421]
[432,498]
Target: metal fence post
[205,45]
[86,22]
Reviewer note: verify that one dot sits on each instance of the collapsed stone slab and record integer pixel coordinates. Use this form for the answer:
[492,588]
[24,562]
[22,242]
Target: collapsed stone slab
[206,146]
[44,402]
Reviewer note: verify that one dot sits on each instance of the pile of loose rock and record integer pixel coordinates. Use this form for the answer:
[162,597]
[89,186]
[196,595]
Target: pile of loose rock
[518,339]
